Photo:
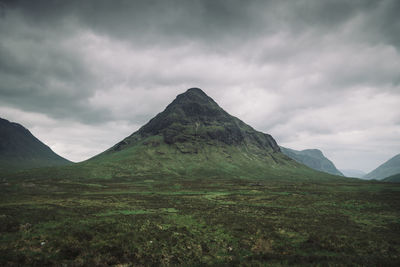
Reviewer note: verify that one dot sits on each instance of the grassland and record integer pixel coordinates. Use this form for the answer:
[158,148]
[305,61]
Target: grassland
[205,221]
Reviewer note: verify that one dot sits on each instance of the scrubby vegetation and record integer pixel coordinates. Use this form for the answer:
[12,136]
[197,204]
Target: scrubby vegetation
[204,221]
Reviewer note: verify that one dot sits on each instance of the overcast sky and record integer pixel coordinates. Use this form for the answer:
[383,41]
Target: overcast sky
[82,75]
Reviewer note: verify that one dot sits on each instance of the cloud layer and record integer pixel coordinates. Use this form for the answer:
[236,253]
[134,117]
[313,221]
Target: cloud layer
[84,74]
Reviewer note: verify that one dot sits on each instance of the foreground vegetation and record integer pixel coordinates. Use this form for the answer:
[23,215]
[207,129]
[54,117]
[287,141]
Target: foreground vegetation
[208,221]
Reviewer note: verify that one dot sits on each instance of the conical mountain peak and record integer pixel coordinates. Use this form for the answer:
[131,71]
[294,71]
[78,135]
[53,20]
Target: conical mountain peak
[194,95]
[195,103]
[195,118]
[194,92]
[194,137]
[189,109]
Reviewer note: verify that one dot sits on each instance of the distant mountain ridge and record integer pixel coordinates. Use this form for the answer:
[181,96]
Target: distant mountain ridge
[352,173]
[389,168]
[313,158]
[19,149]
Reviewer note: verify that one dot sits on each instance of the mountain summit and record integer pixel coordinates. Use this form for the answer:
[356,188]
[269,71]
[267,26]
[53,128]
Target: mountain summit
[195,117]
[195,137]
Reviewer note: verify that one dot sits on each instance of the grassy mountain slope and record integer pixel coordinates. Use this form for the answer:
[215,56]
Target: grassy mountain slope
[19,149]
[390,167]
[393,178]
[312,158]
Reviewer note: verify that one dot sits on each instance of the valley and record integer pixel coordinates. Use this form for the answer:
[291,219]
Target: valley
[198,221]
[196,186]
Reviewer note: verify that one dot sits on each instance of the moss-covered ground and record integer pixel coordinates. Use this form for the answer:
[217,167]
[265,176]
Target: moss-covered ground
[190,222]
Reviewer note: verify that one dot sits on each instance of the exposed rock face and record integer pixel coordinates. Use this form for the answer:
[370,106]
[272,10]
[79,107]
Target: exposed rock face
[19,149]
[193,116]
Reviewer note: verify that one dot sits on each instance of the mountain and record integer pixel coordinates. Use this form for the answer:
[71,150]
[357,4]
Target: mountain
[393,178]
[353,173]
[19,149]
[390,167]
[312,158]
[194,137]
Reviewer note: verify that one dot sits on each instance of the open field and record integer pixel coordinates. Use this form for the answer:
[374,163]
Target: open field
[132,221]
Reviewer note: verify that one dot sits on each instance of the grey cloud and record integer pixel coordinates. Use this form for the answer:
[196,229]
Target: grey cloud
[39,72]
[137,19]
[212,21]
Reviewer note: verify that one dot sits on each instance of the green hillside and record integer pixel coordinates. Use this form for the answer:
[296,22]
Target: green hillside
[19,149]
[393,178]
[390,167]
[312,158]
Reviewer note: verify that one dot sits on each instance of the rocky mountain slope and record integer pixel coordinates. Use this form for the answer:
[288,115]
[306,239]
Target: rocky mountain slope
[195,137]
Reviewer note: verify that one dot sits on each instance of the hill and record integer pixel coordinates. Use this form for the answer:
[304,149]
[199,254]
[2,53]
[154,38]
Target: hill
[352,173]
[390,167]
[312,158]
[19,149]
[394,178]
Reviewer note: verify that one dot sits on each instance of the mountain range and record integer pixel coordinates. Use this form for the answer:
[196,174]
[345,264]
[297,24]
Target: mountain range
[19,149]
[192,137]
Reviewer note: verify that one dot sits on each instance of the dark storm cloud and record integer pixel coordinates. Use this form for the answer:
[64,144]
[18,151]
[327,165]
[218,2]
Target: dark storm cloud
[41,72]
[210,20]
[46,80]
[138,19]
